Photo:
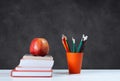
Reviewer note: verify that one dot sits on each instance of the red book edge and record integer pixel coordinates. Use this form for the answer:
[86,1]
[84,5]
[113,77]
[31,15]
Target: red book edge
[30,76]
[30,67]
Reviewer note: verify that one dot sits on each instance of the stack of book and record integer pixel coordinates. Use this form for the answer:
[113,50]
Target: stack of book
[34,66]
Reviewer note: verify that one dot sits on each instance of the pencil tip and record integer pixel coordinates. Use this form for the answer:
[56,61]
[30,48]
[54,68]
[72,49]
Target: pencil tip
[84,37]
[73,40]
[62,35]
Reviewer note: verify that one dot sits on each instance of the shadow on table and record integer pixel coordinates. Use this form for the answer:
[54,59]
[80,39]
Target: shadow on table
[60,73]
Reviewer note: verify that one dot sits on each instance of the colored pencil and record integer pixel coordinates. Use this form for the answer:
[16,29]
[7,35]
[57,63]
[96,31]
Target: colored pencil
[82,42]
[65,44]
[81,45]
[74,46]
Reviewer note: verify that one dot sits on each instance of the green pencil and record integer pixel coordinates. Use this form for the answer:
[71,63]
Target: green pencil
[79,46]
[74,46]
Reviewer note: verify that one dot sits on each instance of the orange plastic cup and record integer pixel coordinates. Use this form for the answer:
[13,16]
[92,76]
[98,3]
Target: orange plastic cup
[74,61]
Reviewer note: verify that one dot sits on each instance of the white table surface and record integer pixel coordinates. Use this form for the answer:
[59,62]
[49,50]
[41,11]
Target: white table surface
[62,75]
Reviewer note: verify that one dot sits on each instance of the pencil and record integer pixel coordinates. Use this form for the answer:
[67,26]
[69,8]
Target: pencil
[68,45]
[74,46]
[65,44]
[84,42]
[82,46]
[79,46]
[85,37]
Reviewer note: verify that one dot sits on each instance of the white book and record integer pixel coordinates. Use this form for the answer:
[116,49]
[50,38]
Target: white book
[47,57]
[33,68]
[16,73]
[36,63]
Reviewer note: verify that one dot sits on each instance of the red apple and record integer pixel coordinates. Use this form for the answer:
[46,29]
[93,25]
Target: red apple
[39,47]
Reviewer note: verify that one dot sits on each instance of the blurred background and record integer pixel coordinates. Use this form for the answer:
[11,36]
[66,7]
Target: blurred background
[23,20]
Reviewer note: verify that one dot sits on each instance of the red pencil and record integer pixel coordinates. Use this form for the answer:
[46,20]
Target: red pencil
[64,38]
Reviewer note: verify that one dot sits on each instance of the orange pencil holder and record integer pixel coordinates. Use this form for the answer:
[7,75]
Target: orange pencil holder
[74,61]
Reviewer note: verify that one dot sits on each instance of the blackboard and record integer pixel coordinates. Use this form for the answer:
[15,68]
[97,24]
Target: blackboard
[23,20]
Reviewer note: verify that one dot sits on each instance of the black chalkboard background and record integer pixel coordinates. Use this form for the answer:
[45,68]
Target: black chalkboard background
[23,20]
